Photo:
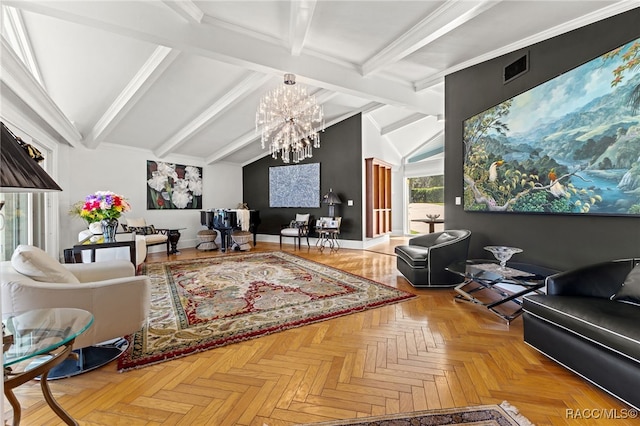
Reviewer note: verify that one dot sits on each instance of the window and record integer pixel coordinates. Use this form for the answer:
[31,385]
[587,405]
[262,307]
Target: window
[22,222]
[426,197]
[24,218]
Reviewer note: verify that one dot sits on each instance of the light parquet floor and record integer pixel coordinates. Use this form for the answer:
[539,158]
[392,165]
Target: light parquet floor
[426,353]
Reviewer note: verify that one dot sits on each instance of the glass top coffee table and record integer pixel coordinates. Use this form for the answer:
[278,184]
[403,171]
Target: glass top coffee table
[33,343]
[498,289]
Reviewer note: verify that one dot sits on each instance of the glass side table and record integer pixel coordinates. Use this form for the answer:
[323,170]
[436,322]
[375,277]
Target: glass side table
[33,343]
[488,284]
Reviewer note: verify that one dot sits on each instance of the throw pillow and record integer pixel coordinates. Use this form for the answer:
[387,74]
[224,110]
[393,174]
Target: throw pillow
[444,237]
[36,264]
[139,230]
[630,290]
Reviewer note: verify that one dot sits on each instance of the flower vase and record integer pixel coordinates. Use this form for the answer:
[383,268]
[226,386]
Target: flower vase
[109,228]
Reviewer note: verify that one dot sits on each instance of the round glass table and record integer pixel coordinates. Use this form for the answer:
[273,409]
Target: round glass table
[33,343]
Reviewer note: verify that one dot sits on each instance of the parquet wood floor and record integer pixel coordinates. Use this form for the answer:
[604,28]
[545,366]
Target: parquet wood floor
[430,352]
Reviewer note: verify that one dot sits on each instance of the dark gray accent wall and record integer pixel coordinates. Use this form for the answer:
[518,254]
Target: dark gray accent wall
[340,158]
[557,241]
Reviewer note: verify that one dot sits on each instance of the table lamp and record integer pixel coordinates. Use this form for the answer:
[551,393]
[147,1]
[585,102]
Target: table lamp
[331,199]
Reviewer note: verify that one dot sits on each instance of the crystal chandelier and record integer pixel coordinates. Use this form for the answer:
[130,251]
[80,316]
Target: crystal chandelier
[290,120]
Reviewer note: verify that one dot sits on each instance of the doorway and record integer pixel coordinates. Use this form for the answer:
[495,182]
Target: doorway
[426,197]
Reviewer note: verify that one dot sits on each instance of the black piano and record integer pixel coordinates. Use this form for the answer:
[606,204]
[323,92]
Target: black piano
[225,221]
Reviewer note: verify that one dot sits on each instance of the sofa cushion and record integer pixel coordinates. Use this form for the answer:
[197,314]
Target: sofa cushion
[629,292]
[416,256]
[36,264]
[610,324]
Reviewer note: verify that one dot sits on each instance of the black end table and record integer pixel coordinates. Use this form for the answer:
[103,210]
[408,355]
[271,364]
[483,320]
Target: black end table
[96,242]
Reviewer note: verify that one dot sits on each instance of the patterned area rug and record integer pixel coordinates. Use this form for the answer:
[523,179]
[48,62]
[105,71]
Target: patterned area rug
[202,304]
[504,414]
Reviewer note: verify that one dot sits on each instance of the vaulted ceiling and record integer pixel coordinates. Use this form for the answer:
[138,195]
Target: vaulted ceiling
[185,77]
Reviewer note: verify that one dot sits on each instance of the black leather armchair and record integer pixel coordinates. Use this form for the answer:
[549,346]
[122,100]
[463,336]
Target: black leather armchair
[424,260]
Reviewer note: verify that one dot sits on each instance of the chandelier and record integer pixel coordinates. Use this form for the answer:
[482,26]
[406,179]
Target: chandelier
[289,120]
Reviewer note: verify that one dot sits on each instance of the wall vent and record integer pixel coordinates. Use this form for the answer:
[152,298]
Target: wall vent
[516,68]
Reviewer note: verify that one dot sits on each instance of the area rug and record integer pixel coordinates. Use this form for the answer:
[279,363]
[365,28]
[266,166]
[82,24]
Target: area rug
[486,415]
[206,303]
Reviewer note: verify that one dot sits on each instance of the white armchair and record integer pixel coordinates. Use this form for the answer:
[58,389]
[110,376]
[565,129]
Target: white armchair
[152,235]
[297,228]
[118,300]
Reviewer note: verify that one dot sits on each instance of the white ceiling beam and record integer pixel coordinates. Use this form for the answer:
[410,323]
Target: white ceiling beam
[451,15]
[152,69]
[565,27]
[238,49]
[323,95]
[301,14]
[186,9]
[18,32]
[17,77]
[246,86]
[413,118]
[253,136]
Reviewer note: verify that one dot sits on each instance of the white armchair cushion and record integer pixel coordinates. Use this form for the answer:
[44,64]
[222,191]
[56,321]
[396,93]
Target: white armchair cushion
[303,218]
[290,232]
[100,271]
[36,264]
[136,222]
[155,238]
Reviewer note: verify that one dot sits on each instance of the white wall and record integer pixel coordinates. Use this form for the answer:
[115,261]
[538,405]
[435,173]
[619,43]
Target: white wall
[377,146]
[122,170]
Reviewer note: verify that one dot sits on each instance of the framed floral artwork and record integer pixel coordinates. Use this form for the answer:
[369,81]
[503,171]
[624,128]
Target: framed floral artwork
[173,186]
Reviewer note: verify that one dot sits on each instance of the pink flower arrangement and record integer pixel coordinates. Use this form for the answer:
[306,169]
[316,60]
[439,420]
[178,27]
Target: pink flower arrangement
[103,205]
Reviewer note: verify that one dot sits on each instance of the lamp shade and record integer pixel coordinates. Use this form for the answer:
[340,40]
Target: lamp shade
[18,171]
[331,198]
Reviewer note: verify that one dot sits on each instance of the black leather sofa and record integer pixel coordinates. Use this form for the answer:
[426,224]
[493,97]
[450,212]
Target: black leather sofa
[578,325]
[424,260]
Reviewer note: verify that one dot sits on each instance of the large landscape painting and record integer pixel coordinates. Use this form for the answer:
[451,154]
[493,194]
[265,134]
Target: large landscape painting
[570,145]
